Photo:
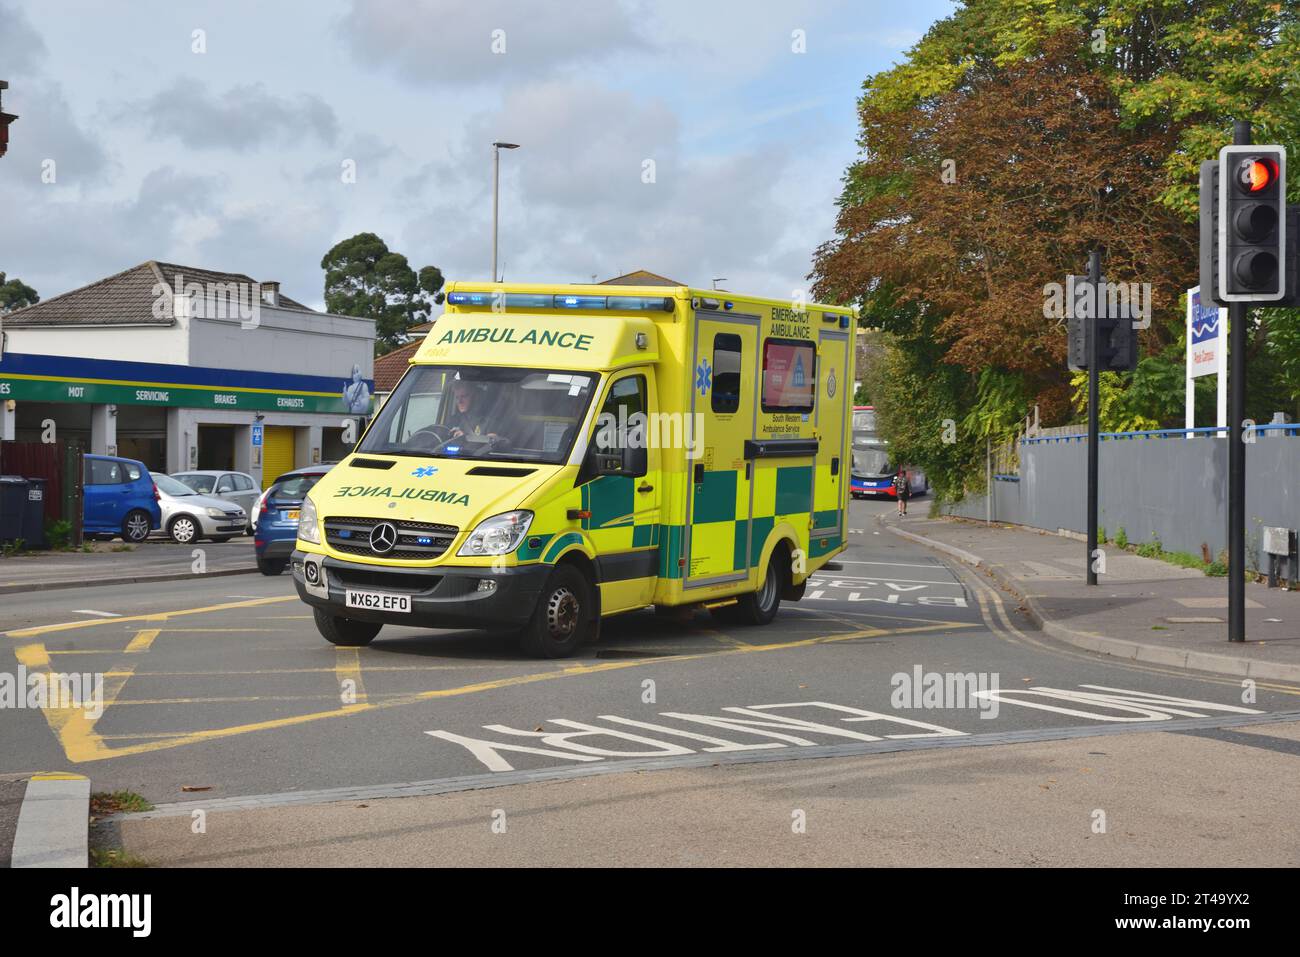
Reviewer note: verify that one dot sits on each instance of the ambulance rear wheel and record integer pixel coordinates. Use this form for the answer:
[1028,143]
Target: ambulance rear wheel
[345,631]
[759,608]
[565,616]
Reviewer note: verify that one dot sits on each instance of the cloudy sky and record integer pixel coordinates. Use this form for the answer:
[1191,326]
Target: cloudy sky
[233,158]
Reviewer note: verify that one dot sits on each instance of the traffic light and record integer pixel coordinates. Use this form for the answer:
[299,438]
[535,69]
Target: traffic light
[1244,235]
[1091,309]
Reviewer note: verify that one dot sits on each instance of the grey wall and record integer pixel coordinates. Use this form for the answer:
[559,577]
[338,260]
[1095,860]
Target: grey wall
[285,340]
[1174,489]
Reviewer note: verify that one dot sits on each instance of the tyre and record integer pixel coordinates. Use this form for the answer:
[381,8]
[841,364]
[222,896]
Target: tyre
[759,607]
[272,566]
[565,616]
[345,631]
[136,526]
[183,529]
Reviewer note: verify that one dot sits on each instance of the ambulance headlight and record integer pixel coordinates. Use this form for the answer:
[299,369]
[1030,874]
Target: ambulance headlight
[308,524]
[498,535]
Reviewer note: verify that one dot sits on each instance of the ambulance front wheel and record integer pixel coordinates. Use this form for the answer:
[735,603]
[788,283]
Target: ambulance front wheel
[565,616]
[760,607]
[345,631]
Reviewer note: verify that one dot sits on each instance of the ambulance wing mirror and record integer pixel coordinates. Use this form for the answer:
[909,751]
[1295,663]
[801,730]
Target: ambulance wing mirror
[629,462]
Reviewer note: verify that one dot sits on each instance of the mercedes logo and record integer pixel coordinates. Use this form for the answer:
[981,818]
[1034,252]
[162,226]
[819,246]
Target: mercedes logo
[383,538]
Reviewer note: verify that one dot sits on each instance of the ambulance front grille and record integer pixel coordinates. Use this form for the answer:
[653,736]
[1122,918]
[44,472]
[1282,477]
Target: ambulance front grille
[416,541]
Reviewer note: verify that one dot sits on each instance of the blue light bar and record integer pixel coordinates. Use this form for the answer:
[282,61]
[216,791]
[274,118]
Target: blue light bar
[522,300]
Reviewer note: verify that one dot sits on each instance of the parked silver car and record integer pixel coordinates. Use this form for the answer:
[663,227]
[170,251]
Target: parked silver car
[188,516]
[237,487]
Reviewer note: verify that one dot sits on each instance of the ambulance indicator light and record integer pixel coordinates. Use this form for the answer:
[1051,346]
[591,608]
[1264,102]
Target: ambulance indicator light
[641,303]
[469,299]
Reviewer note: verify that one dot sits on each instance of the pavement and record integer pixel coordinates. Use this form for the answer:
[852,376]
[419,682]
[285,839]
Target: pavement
[115,563]
[12,789]
[1082,803]
[1142,608]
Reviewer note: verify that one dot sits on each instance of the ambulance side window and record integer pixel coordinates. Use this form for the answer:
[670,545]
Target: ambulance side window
[626,398]
[789,375]
[726,372]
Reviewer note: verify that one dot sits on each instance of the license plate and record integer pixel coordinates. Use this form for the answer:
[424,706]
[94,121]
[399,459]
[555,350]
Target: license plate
[292,515]
[377,601]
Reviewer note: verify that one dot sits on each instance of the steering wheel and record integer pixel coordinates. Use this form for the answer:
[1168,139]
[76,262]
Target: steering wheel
[428,438]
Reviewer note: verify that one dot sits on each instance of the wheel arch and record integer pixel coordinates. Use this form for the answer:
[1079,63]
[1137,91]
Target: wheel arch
[783,537]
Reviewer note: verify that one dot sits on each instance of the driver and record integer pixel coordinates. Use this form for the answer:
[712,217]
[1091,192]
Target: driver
[467,417]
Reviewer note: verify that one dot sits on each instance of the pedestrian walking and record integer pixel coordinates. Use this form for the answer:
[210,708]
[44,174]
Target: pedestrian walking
[902,489]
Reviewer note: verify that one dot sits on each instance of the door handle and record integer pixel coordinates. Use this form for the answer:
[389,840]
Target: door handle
[646,488]
[699,473]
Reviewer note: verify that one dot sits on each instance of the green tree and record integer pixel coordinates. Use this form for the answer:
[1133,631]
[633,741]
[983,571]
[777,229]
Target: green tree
[363,277]
[14,294]
[1019,95]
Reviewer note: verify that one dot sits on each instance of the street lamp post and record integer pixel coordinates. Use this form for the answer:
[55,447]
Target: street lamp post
[496,190]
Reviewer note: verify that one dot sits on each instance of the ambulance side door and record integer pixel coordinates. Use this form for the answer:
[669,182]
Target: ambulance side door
[623,521]
[719,502]
[831,415]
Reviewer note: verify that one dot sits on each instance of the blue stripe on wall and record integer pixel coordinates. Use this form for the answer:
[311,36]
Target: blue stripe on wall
[72,367]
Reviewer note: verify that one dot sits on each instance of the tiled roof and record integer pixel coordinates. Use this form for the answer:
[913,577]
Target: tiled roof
[391,365]
[641,277]
[170,270]
[126,298]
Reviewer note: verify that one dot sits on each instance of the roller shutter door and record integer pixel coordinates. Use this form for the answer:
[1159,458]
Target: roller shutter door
[277,452]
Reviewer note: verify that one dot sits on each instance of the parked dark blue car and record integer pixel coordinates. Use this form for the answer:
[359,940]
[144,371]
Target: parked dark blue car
[119,498]
[275,527]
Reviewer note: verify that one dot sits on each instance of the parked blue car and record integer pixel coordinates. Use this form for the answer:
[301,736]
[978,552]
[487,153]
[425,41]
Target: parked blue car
[275,519]
[119,498]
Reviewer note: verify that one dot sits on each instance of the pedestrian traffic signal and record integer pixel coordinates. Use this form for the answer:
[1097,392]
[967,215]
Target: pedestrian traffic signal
[1117,349]
[1244,236]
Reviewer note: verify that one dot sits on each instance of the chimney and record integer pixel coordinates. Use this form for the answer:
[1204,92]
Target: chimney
[270,293]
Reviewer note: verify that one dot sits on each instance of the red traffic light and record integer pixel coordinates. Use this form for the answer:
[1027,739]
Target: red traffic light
[1256,174]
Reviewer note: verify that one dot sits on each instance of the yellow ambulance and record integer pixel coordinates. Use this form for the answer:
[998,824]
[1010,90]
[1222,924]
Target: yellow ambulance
[555,455]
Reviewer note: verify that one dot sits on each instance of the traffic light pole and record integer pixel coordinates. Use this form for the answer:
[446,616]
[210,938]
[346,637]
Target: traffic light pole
[1094,335]
[1241,136]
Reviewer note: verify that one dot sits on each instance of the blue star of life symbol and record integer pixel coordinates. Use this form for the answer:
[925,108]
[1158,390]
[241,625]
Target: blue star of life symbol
[425,471]
[704,377]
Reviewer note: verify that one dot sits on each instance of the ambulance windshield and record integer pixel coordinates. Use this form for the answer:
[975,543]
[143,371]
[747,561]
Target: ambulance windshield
[478,412]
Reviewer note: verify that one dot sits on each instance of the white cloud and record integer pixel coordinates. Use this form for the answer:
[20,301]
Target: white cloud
[574,202]
[21,47]
[244,117]
[464,42]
